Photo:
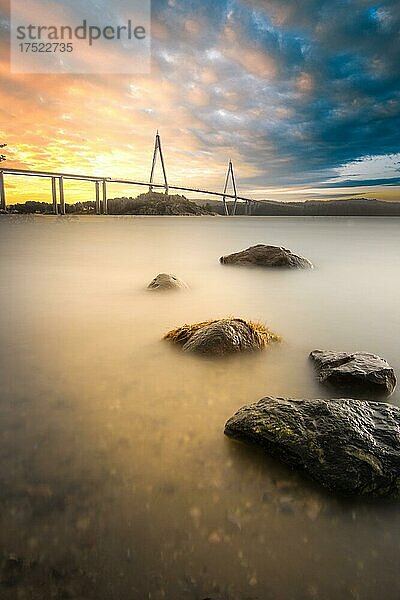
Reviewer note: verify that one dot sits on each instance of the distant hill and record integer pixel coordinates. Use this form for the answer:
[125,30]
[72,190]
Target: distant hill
[154,203]
[310,208]
[150,203]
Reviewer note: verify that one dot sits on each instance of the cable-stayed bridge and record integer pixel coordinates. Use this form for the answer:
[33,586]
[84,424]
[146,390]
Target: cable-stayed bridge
[100,186]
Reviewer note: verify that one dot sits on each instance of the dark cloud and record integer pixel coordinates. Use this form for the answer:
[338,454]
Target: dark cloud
[361,182]
[334,96]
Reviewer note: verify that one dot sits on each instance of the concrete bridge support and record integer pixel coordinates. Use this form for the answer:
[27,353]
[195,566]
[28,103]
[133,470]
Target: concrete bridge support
[2,192]
[105,204]
[54,195]
[97,201]
[61,190]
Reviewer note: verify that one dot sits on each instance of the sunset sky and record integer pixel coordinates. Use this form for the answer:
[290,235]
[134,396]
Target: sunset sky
[304,97]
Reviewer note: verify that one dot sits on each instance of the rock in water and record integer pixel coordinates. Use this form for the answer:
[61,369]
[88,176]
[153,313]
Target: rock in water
[267,256]
[346,445]
[359,371]
[165,281]
[220,337]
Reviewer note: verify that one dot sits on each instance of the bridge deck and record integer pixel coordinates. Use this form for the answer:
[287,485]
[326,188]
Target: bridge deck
[96,180]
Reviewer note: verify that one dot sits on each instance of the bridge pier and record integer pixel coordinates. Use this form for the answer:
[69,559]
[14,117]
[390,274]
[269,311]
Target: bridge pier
[54,195]
[105,205]
[61,189]
[97,188]
[2,192]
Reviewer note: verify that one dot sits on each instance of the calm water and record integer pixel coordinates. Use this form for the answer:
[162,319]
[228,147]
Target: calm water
[116,481]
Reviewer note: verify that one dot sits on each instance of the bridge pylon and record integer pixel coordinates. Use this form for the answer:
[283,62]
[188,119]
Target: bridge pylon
[230,174]
[158,150]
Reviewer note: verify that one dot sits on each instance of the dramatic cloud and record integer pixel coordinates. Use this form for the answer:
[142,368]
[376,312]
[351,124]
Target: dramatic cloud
[291,91]
[317,83]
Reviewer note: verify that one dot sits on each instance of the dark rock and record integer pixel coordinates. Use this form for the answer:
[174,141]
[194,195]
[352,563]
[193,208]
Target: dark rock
[346,445]
[267,256]
[165,281]
[220,337]
[360,371]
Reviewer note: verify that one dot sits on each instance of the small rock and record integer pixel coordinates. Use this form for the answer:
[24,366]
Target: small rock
[361,371]
[165,281]
[267,256]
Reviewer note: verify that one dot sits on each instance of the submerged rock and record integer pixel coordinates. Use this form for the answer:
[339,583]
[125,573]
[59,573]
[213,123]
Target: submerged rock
[267,256]
[346,445]
[165,281]
[360,371]
[220,337]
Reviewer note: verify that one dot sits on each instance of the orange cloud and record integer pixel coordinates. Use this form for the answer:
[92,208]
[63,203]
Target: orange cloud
[235,47]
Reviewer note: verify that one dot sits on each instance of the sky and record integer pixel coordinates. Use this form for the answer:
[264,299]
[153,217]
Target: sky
[304,97]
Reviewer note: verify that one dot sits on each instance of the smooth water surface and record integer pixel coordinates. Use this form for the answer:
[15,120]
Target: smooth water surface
[116,481]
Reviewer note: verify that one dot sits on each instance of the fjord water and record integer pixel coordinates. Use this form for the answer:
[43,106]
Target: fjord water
[116,479]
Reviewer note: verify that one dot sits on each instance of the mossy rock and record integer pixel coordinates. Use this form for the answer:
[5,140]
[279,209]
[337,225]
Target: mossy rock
[222,336]
[346,445]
